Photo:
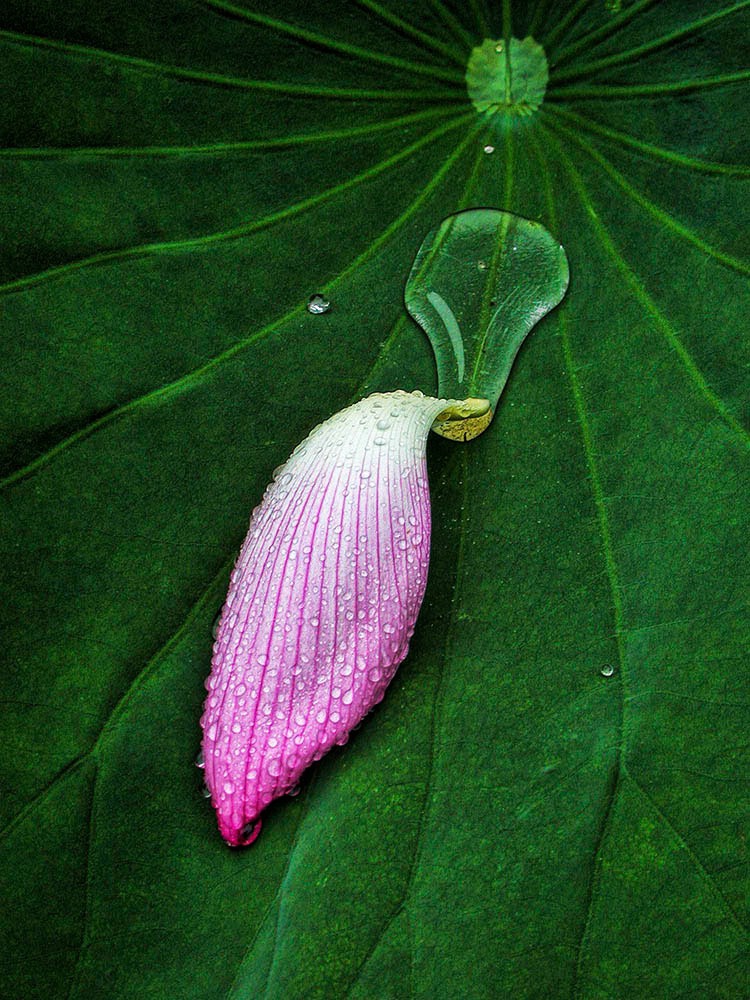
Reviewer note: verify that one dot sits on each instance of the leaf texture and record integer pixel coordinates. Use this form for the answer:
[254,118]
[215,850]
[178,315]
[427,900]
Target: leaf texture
[513,819]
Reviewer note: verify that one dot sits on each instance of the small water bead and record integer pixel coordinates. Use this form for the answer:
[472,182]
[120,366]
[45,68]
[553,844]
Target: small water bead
[274,768]
[200,760]
[321,716]
[607,670]
[379,441]
[498,47]
[347,697]
[318,304]
[206,792]
[489,149]
[482,265]
[383,425]
[248,831]
[229,787]
[216,623]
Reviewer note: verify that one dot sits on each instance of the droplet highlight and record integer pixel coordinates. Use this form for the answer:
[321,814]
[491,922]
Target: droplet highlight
[318,304]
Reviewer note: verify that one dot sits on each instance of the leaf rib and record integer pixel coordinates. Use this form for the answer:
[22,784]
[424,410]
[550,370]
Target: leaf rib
[237,232]
[224,148]
[87,890]
[698,864]
[615,588]
[452,22]
[219,80]
[563,25]
[632,55]
[627,92]
[691,368]
[649,149]
[596,35]
[410,31]
[184,381]
[314,38]
[662,216]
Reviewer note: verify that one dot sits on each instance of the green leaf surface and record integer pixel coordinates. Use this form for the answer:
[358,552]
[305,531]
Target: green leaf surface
[550,800]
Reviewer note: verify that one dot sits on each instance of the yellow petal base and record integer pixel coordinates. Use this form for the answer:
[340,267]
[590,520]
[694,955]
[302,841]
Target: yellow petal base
[464,419]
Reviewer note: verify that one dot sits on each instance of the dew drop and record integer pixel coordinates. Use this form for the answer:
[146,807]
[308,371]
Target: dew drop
[216,623]
[206,792]
[383,425]
[379,441]
[607,670]
[499,47]
[318,304]
[200,760]
[228,787]
[347,697]
[489,149]
[321,716]
[274,768]
[482,265]
[294,791]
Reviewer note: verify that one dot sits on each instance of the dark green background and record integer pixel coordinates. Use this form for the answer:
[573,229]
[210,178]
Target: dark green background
[177,178]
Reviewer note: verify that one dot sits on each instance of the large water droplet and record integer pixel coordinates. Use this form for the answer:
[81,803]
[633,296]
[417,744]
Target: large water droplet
[318,304]
[607,670]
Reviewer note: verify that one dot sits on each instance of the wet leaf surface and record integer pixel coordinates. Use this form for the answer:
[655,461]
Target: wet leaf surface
[179,180]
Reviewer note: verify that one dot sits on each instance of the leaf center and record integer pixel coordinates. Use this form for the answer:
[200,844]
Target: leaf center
[507,77]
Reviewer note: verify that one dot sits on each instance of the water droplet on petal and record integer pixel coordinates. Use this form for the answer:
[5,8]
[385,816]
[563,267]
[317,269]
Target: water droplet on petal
[347,697]
[383,425]
[318,304]
[607,670]
[216,623]
[228,787]
[249,832]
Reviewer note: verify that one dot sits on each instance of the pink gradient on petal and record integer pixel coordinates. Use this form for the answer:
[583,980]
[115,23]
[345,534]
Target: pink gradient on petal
[321,605]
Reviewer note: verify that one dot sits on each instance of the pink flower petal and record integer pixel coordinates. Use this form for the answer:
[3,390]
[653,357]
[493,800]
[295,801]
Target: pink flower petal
[322,603]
